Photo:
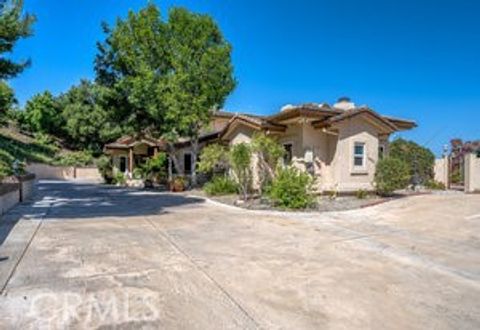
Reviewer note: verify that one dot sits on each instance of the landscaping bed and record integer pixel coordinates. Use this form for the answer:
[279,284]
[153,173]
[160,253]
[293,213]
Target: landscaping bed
[322,203]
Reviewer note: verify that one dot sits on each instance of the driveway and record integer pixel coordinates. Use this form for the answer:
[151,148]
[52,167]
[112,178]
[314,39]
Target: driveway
[87,256]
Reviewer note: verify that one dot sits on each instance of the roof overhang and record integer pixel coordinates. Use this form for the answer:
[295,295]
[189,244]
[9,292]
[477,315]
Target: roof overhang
[401,124]
[385,126]
[310,114]
[255,124]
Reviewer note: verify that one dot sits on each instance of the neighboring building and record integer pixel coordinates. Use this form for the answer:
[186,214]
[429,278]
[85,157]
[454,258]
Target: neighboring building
[339,145]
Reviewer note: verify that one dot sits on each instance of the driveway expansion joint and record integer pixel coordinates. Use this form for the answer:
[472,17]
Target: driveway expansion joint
[177,248]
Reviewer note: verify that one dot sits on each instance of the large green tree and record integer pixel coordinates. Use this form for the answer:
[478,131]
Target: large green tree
[43,114]
[88,125]
[167,77]
[14,25]
[200,60]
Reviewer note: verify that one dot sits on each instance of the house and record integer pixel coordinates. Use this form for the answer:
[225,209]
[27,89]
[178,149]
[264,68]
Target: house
[339,145]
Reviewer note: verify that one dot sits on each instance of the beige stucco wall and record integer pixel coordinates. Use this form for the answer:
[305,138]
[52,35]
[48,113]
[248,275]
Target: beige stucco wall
[244,135]
[332,154]
[9,200]
[472,173]
[344,176]
[44,171]
[294,135]
[89,174]
[440,170]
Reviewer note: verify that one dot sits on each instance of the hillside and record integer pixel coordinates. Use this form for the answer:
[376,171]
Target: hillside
[25,148]
[15,145]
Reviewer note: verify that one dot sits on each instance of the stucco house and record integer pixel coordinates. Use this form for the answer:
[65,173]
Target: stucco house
[339,145]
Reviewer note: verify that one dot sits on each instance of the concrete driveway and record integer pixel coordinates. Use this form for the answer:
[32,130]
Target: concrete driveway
[86,256]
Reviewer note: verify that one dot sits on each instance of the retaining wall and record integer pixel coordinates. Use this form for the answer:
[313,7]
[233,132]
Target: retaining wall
[14,190]
[44,171]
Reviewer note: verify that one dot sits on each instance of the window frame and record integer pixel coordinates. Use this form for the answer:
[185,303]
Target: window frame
[355,156]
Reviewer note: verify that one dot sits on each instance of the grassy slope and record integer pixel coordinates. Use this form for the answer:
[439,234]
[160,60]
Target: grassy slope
[25,148]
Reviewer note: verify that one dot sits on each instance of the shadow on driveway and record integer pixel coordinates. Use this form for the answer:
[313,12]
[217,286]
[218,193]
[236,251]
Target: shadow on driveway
[75,200]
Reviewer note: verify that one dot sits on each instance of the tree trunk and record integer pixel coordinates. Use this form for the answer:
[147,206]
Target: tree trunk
[172,160]
[194,161]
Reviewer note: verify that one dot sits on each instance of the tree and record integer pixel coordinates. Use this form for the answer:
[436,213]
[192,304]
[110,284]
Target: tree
[166,77]
[269,152]
[7,98]
[240,157]
[201,75]
[391,174]
[14,25]
[87,123]
[43,115]
[214,158]
[420,160]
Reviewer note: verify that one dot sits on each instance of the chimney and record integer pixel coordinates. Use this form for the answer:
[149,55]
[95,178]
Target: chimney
[344,103]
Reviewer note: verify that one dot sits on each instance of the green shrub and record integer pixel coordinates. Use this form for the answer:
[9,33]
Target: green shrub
[292,189]
[221,185]
[214,158]
[6,164]
[75,158]
[240,156]
[46,141]
[420,160]
[154,168]
[391,174]
[361,194]
[104,165]
[119,179]
[435,185]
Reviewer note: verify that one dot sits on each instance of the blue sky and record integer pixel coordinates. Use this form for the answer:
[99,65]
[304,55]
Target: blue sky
[413,59]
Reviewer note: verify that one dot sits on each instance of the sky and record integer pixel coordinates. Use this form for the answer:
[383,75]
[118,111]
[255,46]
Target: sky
[418,59]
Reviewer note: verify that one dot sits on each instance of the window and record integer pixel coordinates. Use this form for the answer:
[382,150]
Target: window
[187,163]
[381,151]
[123,164]
[478,153]
[288,155]
[359,154]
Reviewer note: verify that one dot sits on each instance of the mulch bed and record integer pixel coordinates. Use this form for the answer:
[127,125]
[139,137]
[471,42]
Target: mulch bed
[323,203]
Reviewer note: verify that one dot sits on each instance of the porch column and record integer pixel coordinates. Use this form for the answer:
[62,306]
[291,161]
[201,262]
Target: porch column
[155,151]
[130,160]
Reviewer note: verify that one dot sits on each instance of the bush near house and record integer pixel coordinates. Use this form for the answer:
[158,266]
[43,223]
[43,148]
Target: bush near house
[104,165]
[240,161]
[391,174]
[221,185]
[435,185]
[269,152]
[291,189]
[420,160]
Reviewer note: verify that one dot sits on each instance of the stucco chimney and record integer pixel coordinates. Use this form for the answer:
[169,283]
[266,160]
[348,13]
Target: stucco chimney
[344,103]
